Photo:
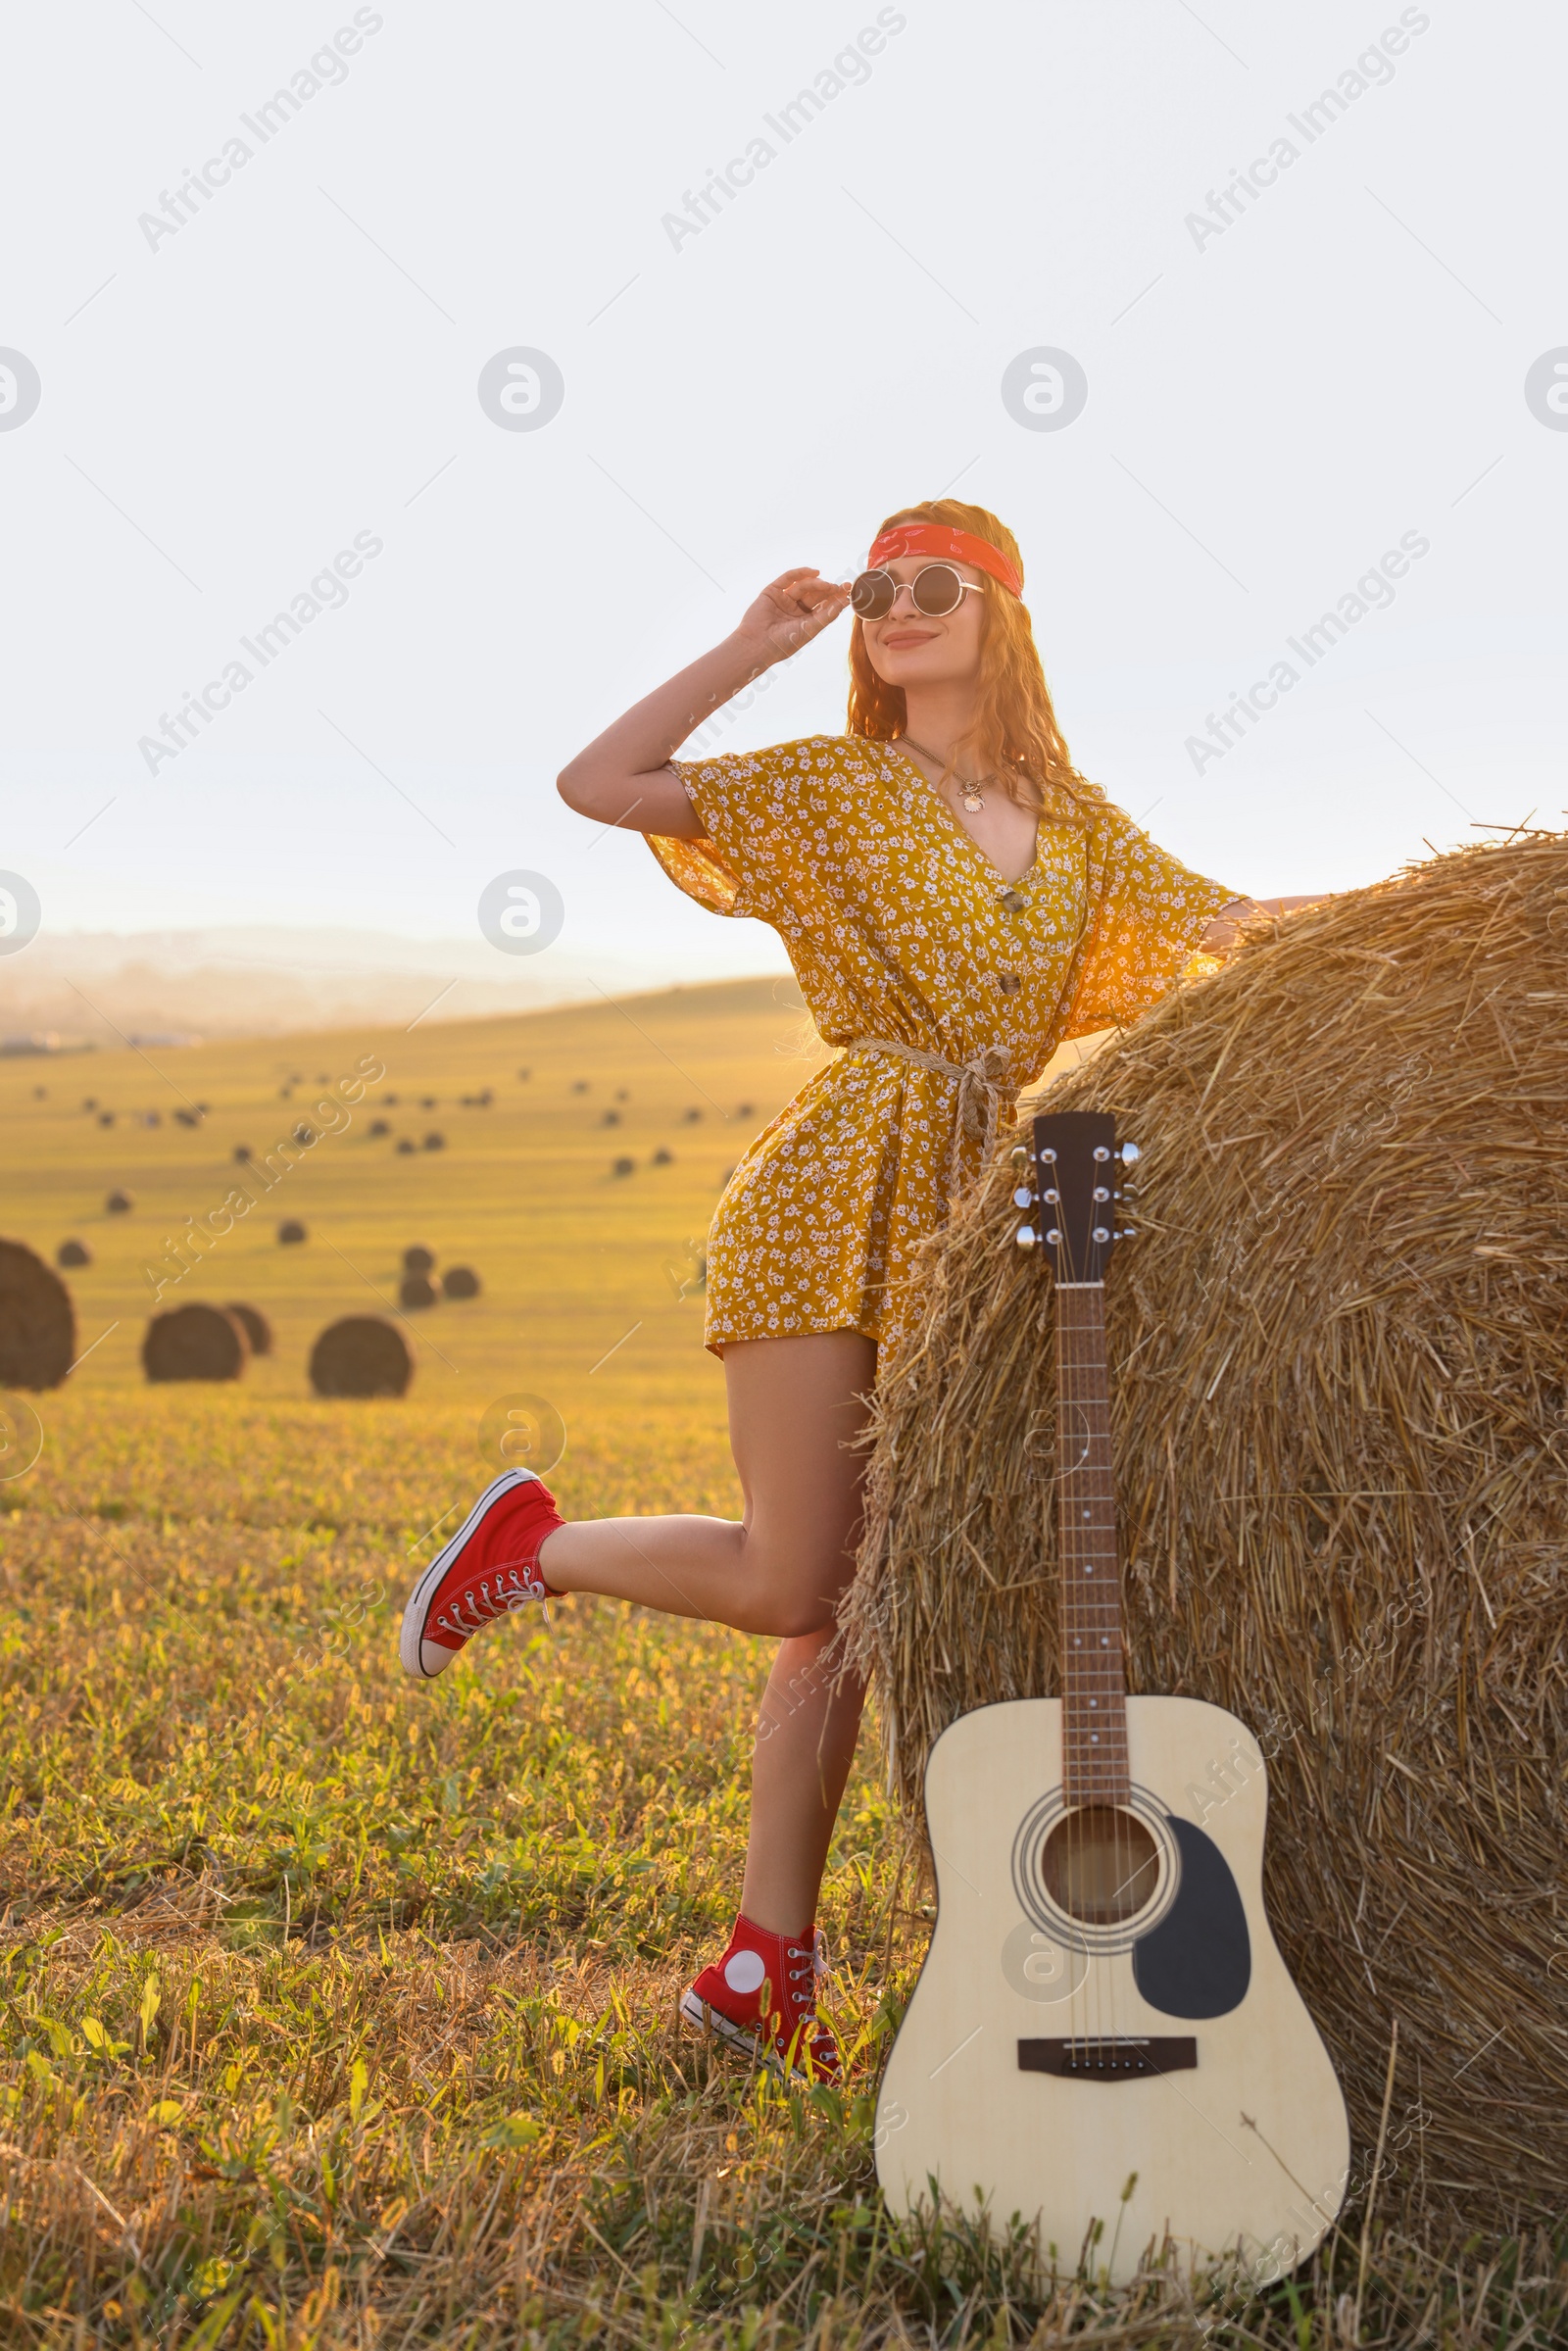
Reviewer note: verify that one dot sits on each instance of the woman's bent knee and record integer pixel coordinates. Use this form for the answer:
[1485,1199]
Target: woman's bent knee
[795,1619]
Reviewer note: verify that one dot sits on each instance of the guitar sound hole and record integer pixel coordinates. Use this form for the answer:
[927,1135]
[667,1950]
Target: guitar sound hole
[1101,1865]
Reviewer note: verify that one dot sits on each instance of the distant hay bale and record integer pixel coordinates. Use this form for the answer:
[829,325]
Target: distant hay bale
[71,1253]
[418,1260]
[290,1233]
[255,1325]
[118,1203]
[417,1290]
[622,1166]
[378,1128]
[1340,1361]
[195,1343]
[361,1356]
[459,1281]
[405,1144]
[242,1153]
[434,1142]
[37,1323]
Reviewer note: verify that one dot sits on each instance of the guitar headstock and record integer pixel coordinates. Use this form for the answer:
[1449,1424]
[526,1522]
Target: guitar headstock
[1068,1183]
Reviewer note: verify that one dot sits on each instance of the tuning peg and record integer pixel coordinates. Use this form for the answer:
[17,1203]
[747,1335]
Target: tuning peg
[1130,1154]
[1025,1236]
[1020,1156]
[1024,1197]
[1131,1233]
[1101,1233]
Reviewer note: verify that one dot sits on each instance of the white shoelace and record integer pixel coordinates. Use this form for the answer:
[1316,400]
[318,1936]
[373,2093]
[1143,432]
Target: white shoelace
[483,1607]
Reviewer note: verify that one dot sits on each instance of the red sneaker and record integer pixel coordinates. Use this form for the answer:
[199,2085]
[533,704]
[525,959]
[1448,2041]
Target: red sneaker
[490,1567]
[761,1997]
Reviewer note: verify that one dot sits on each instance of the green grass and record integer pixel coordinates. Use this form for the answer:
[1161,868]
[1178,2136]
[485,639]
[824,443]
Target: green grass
[336,2011]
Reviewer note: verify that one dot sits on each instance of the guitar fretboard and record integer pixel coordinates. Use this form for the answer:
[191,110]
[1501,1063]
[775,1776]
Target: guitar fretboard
[1093,1681]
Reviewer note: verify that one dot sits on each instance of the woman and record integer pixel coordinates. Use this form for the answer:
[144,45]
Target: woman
[955,900]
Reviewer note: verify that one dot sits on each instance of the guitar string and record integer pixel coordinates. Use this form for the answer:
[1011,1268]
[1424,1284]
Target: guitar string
[1106,1895]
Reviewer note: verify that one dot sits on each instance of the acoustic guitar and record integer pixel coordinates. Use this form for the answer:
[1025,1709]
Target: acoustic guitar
[1103,2038]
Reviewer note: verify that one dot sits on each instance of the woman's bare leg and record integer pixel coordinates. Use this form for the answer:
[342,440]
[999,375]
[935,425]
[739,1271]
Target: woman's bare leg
[804,1747]
[795,1409]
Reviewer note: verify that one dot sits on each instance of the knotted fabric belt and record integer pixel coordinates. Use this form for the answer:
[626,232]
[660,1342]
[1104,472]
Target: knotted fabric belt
[983,1087]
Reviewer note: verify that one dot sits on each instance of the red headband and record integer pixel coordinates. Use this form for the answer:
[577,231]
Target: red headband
[957,546]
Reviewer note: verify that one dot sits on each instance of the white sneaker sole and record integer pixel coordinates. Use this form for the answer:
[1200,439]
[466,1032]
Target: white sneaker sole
[697,2013]
[411,1644]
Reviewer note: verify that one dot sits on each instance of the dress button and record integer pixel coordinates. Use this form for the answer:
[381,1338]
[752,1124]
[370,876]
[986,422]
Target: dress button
[1008,982]
[1013,900]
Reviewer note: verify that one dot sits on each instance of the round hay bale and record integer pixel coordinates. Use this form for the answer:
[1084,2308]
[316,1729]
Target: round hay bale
[406,1144]
[255,1325]
[624,1166]
[378,1128]
[418,1260]
[242,1155]
[37,1324]
[459,1281]
[361,1356]
[434,1142]
[71,1253]
[290,1233]
[1339,1362]
[417,1290]
[195,1343]
[118,1203]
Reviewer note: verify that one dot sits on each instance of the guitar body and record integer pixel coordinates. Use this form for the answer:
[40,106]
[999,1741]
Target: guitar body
[1046,2061]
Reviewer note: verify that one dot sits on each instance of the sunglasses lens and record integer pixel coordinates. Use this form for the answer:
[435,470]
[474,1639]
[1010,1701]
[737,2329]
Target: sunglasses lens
[873,595]
[938,589]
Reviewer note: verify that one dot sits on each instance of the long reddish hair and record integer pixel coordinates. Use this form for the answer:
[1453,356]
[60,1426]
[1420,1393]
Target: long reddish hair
[1015,736]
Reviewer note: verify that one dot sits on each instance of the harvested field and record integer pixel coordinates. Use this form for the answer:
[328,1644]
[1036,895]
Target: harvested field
[336,2011]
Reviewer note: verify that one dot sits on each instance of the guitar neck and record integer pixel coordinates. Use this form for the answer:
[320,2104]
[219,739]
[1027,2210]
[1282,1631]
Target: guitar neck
[1093,1686]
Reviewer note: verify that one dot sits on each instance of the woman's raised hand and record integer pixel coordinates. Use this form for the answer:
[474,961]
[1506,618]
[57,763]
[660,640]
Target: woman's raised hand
[790,610]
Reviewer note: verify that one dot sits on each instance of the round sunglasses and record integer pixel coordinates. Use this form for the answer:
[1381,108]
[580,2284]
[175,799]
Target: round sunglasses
[934,588]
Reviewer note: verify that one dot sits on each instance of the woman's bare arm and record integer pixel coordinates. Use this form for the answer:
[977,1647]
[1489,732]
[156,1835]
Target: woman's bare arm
[1222,932]
[622,777]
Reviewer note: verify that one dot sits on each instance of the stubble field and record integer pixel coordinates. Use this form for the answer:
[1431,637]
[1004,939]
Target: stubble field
[337,2011]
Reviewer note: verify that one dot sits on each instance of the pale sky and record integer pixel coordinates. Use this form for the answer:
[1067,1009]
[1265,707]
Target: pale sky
[1281,390]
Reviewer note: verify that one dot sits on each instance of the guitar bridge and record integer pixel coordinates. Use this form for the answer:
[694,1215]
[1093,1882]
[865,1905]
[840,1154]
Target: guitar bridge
[1109,2057]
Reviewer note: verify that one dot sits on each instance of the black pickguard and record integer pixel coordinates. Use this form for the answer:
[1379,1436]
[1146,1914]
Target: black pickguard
[1198,1962]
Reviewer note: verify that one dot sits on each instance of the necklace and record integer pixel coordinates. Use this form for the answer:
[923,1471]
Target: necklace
[972,799]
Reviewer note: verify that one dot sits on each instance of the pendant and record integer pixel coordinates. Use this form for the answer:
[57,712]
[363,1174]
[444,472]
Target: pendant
[973,802]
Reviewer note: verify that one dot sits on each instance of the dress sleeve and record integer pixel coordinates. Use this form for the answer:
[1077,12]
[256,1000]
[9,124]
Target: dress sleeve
[752,805]
[1146,913]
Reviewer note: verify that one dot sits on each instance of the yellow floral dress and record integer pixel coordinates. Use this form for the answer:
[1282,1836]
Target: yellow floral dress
[915,956]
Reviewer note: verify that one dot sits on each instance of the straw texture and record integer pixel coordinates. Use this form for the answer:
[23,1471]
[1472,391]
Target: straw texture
[1338,1356]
